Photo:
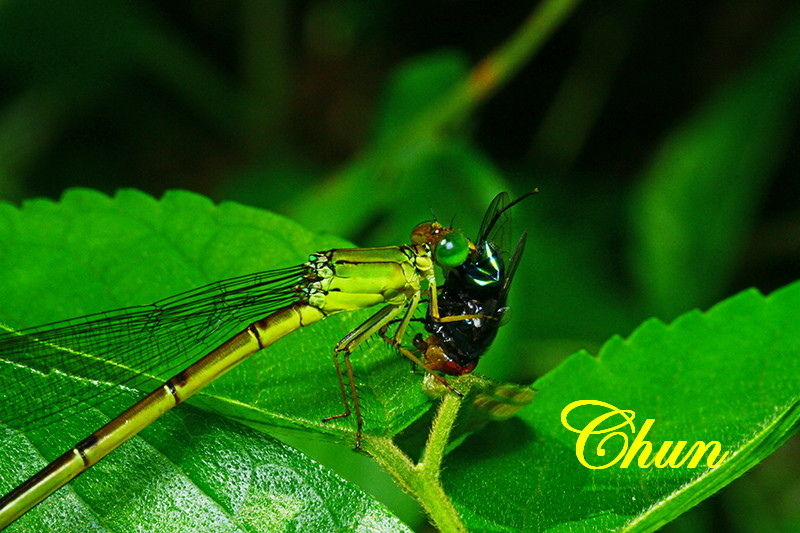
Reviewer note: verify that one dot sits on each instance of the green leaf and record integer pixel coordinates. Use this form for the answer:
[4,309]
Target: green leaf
[697,200]
[730,375]
[417,85]
[190,471]
[90,253]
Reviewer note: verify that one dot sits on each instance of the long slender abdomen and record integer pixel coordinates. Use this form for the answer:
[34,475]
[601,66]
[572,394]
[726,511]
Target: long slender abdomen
[174,391]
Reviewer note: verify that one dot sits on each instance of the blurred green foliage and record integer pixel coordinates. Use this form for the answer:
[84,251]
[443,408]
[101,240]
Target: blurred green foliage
[661,136]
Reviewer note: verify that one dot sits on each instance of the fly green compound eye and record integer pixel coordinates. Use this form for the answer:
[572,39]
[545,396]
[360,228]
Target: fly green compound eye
[452,250]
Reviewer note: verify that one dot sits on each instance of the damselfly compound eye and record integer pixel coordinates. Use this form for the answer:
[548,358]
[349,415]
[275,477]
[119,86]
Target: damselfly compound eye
[452,250]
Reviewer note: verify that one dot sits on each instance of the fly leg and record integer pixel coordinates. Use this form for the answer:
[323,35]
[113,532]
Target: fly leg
[433,300]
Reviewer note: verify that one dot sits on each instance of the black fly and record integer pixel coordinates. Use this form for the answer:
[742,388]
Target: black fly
[473,297]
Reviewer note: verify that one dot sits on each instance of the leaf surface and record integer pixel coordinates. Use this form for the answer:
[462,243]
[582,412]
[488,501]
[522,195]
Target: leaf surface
[730,375]
[90,253]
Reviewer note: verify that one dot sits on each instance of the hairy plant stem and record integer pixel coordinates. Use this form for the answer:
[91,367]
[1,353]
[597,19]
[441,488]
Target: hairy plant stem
[423,479]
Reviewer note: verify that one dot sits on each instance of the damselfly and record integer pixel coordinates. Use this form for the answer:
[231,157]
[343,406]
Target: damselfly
[162,336]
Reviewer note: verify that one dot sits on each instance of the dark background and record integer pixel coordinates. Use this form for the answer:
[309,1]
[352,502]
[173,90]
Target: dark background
[662,136]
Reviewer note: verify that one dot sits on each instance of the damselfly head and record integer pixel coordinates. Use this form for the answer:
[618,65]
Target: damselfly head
[428,232]
[450,248]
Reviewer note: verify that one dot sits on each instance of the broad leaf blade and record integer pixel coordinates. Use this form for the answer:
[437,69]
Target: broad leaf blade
[730,375]
[90,253]
[191,471]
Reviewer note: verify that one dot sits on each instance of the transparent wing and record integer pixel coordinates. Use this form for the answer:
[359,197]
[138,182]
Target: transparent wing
[496,224]
[131,346]
[513,263]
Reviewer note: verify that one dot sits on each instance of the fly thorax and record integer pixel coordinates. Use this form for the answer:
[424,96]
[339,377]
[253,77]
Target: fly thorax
[486,270]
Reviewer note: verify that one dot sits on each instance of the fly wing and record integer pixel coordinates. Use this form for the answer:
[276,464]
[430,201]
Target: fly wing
[511,266]
[496,224]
